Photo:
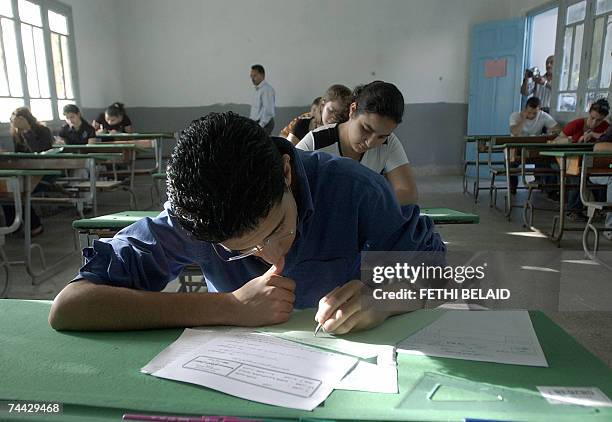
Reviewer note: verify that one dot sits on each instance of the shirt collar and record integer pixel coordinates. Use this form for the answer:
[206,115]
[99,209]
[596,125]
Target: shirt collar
[261,84]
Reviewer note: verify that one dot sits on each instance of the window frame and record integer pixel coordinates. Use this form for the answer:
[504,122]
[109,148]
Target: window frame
[65,10]
[586,53]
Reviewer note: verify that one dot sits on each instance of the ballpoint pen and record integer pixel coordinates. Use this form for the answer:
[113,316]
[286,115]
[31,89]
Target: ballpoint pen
[319,326]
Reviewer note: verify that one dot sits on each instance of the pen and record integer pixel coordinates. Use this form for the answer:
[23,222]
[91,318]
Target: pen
[166,418]
[353,270]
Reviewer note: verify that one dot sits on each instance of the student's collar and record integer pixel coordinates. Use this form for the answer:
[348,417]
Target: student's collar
[301,191]
[262,83]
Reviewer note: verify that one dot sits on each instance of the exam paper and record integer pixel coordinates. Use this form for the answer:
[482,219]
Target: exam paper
[489,336]
[261,368]
[379,377]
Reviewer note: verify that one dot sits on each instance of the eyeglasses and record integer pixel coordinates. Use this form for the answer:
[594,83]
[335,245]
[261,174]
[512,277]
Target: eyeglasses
[228,255]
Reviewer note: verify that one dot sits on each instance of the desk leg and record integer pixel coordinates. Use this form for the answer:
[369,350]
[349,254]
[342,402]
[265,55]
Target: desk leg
[92,186]
[508,202]
[477,182]
[159,145]
[559,221]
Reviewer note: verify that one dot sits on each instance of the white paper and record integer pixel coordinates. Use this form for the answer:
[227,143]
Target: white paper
[489,336]
[327,341]
[189,340]
[261,368]
[582,396]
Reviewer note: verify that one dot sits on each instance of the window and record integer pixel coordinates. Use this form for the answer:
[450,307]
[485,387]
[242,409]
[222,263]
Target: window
[586,51]
[36,47]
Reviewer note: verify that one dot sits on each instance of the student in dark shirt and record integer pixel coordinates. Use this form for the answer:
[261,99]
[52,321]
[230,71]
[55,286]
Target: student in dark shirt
[29,136]
[113,120]
[76,131]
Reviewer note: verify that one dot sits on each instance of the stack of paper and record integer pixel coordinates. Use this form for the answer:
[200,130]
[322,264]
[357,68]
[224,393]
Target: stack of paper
[489,336]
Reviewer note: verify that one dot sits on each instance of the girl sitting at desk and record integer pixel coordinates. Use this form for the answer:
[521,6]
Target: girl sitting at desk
[368,137]
[588,129]
[29,136]
[113,120]
[76,131]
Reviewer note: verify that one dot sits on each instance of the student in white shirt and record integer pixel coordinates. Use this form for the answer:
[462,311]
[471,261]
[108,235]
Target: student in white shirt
[531,121]
[368,137]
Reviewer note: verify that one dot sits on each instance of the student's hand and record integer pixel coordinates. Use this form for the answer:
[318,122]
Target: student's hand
[60,142]
[114,131]
[523,115]
[265,300]
[340,311]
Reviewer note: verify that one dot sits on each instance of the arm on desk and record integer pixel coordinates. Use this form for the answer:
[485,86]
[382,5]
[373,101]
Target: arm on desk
[83,305]
[603,146]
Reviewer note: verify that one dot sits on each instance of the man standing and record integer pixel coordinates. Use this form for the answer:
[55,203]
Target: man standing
[540,85]
[262,105]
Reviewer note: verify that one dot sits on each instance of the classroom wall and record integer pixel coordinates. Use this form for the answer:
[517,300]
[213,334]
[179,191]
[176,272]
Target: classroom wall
[184,58]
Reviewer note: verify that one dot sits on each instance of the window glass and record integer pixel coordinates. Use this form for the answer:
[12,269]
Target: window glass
[575,75]
[591,97]
[567,102]
[41,109]
[58,23]
[593,81]
[29,13]
[67,67]
[603,6]
[7,106]
[6,8]
[565,65]
[10,55]
[58,71]
[576,13]
[606,66]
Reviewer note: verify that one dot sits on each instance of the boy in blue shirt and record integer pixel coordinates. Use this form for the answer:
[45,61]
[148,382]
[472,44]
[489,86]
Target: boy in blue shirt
[272,228]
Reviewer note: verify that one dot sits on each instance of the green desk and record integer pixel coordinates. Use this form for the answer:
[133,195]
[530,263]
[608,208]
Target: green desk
[158,138]
[558,227]
[508,150]
[96,376]
[112,223]
[127,151]
[449,216]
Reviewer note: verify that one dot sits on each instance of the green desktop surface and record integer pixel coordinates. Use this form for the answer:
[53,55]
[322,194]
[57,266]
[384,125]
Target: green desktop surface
[96,376]
[123,219]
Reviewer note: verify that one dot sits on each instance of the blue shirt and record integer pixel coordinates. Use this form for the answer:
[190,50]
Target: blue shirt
[262,105]
[343,208]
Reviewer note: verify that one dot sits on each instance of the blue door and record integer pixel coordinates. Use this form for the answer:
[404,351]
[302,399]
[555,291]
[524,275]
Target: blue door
[496,73]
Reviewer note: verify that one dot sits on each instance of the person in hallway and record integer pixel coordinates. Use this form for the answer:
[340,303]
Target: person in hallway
[367,137]
[29,135]
[273,228]
[540,85]
[264,99]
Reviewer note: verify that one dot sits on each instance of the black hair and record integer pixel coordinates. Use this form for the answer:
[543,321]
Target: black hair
[533,102]
[224,176]
[115,110]
[601,106]
[71,108]
[258,68]
[381,98]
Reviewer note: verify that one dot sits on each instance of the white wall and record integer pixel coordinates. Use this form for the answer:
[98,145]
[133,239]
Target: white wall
[97,51]
[193,52]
